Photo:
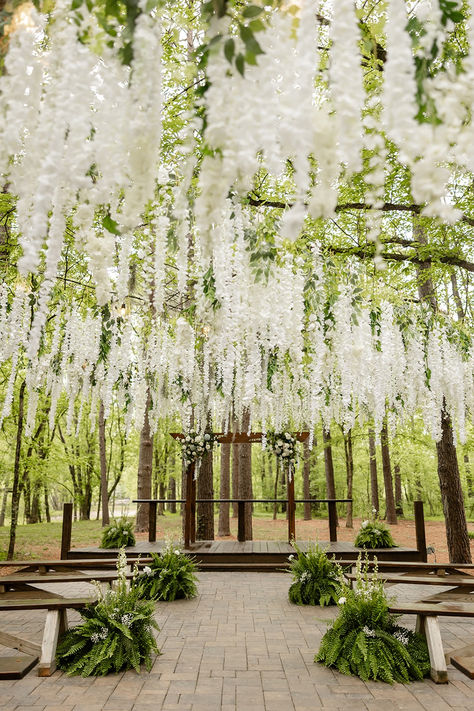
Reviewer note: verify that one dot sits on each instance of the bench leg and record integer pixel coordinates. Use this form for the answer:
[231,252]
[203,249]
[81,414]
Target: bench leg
[56,623]
[428,625]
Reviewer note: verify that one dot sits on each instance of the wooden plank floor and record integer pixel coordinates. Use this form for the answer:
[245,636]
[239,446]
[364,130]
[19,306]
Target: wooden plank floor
[250,551]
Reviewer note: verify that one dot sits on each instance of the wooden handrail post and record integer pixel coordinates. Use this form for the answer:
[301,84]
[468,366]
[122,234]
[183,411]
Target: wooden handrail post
[332,511]
[193,505]
[187,506]
[291,507]
[66,530]
[241,522]
[152,521]
[420,530]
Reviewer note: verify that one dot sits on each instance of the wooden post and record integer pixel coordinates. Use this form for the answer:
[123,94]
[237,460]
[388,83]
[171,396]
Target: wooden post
[241,522]
[332,511]
[291,506]
[66,531]
[187,506]
[152,522]
[420,530]
[193,505]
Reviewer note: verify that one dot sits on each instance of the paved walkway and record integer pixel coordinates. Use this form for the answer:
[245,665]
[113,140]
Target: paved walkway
[239,646]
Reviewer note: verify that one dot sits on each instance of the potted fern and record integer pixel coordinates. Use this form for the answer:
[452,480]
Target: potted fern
[118,534]
[317,579]
[116,634]
[365,639]
[170,576]
[374,533]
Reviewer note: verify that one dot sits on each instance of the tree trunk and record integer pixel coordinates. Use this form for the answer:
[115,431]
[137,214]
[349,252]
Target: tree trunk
[35,511]
[390,513]
[306,482]
[104,495]
[205,490]
[4,502]
[235,478]
[245,477]
[374,485]
[16,473]
[398,490]
[224,491]
[329,468]
[451,494]
[145,468]
[349,476]
[172,480]
[47,512]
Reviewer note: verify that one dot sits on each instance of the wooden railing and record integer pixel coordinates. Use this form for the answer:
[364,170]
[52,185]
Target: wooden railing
[190,514]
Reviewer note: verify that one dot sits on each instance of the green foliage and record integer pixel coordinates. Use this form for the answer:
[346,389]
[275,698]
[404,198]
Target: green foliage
[169,577]
[118,534]
[116,634]
[317,579]
[365,639]
[374,534]
[471,535]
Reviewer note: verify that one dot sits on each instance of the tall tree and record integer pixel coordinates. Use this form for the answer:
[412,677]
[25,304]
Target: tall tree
[16,472]
[329,467]
[374,486]
[448,468]
[349,458]
[390,513]
[224,491]
[205,490]
[103,468]
[145,469]
[306,479]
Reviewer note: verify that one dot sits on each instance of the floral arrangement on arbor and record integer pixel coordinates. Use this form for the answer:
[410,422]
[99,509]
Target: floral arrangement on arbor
[194,446]
[283,445]
[115,634]
[170,576]
[118,534]
[365,639]
[374,533]
[317,579]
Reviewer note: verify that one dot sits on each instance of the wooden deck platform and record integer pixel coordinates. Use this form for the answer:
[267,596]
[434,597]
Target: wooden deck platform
[250,553]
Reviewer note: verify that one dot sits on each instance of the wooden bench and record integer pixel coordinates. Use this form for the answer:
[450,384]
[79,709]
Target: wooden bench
[23,581]
[427,624]
[55,625]
[43,566]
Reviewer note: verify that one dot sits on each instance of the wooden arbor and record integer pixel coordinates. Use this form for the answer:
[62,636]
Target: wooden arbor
[190,502]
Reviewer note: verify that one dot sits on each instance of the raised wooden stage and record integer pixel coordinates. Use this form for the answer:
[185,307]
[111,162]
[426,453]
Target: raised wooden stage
[249,554]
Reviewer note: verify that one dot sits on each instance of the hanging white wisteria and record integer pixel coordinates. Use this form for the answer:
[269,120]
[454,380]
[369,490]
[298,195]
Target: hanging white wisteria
[83,154]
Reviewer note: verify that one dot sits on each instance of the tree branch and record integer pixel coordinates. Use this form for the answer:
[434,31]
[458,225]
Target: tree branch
[368,253]
[386,207]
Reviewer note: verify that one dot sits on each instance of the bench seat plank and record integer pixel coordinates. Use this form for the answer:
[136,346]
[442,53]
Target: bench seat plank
[54,603]
[453,580]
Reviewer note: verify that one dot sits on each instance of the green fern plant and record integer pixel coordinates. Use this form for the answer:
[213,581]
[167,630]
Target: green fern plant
[316,578]
[170,576]
[374,534]
[118,534]
[116,634]
[365,639]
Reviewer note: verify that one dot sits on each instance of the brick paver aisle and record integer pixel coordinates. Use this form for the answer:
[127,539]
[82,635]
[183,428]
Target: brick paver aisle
[239,646]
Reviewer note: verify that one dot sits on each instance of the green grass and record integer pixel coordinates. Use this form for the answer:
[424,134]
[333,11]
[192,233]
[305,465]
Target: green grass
[34,538]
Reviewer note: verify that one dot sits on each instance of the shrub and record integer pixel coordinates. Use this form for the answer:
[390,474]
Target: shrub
[170,576]
[316,579]
[118,534]
[374,534]
[471,535]
[365,639]
[116,634]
